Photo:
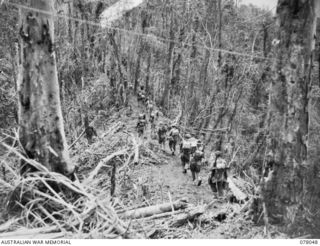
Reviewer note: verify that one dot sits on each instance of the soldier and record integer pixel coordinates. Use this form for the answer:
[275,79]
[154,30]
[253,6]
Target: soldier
[149,108]
[146,101]
[162,135]
[141,125]
[193,142]
[185,150]
[218,176]
[228,148]
[200,145]
[174,137]
[195,166]
[152,120]
[141,96]
[89,130]
[130,87]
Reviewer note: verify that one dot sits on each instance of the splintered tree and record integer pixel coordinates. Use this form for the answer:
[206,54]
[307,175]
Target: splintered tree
[288,168]
[41,125]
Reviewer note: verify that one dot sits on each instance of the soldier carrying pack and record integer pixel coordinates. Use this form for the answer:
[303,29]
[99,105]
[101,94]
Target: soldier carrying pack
[185,150]
[218,176]
[162,135]
[174,137]
[152,121]
[195,166]
[141,125]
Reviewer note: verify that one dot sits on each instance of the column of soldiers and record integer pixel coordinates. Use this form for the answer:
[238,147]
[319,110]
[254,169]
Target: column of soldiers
[191,149]
[144,101]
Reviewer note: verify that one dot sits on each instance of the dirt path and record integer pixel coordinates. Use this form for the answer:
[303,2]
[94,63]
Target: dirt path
[169,178]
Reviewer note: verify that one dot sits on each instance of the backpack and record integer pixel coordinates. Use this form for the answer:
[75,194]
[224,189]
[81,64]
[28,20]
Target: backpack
[175,132]
[162,131]
[193,146]
[186,152]
[221,163]
[141,117]
[186,145]
[198,155]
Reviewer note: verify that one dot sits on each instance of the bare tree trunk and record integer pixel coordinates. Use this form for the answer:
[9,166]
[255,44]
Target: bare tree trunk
[70,23]
[193,74]
[116,51]
[148,71]
[285,184]
[137,68]
[41,125]
[177,73]
[205,89]
[145,18]
[166,93]
[219,32]
[211,20]
[265,38]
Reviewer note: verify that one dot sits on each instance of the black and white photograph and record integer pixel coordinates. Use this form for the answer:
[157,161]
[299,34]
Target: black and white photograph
[159,119]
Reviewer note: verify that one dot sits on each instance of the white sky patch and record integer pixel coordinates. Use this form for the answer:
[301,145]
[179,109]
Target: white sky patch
[117,10]
[267,4]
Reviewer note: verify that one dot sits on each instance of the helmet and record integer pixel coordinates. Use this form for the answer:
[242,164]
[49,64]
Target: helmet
[218,153]
[141,116]
[174,125]
[187,136]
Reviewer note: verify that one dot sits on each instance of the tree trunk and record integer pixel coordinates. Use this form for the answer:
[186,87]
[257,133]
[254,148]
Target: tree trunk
[144,23]
[192,98]
[211,20]
[118,59]
[284,186]
[169,64]
[219,33]
[148,71]
[265,39]
[70,22]
[137,67]
[40,118]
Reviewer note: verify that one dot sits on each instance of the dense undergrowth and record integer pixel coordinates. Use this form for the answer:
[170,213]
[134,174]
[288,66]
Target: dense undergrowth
[108,182]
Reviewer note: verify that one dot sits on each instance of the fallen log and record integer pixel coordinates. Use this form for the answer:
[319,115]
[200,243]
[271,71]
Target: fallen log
[26,232]
[8,224]
[156,209]
[162,215]
[57,235]
[189,216]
